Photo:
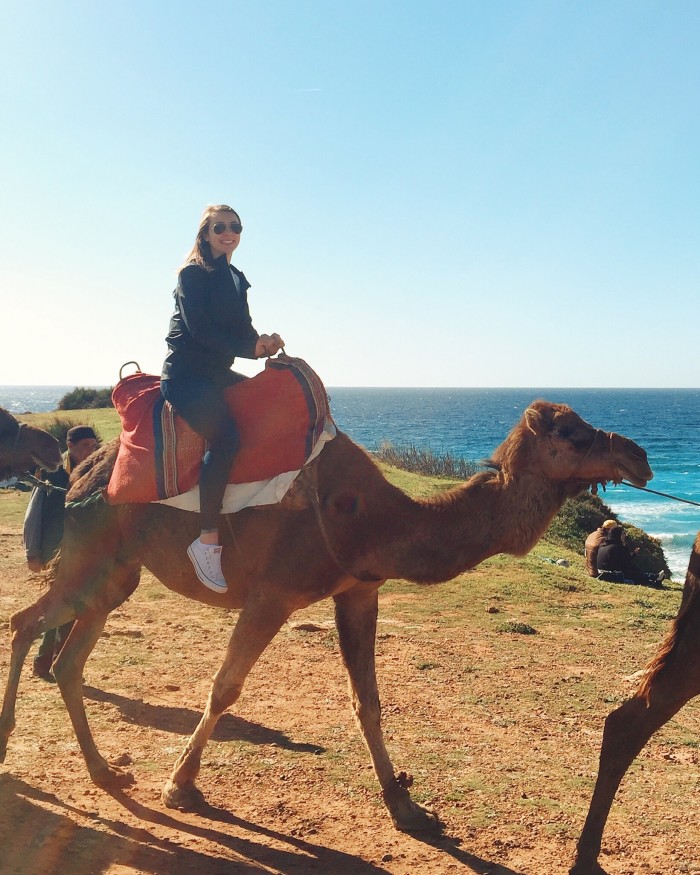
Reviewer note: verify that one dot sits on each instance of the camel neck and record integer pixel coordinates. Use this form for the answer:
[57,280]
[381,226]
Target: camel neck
[489,514]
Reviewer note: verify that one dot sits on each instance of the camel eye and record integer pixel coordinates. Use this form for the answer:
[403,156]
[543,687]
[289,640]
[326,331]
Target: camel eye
[575,437]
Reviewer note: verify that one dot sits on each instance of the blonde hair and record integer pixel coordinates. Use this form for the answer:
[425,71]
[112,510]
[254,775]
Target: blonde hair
[201,251]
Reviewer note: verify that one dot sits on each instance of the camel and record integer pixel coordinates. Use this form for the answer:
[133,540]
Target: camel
[670,680]
[341,534]
[24,447]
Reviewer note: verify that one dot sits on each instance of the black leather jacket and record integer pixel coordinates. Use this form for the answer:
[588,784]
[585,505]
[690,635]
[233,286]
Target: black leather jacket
[614,556]
[211,324]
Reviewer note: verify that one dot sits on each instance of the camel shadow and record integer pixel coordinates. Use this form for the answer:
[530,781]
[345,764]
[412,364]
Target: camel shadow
[450,846]
[36,839]
[328,860]
[183,721]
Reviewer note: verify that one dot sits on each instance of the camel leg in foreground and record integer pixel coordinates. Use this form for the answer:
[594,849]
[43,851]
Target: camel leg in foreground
[675,679]
[68,671]
[104,587]
[356,620]
[261,618]
[27,627]
[627,730]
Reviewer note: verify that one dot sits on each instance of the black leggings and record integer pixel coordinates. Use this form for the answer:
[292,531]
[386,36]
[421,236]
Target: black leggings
[201,404]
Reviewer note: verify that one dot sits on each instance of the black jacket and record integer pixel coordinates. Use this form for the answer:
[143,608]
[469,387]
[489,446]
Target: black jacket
[211,324]
[614,556]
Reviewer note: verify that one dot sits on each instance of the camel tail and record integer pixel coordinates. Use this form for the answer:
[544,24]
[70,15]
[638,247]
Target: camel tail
[687,615]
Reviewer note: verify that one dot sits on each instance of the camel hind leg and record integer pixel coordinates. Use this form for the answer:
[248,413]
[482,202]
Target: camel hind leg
[260,620]
[25,627]
[627,730]
[356,620]
[68,671]
[629,727]
[89,597]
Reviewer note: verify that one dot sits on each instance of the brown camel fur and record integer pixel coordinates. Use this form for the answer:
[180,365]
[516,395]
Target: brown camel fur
[670,680]
[24,447]
[341,535]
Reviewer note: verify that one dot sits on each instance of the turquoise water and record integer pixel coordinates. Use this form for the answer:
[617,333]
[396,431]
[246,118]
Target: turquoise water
[472,422]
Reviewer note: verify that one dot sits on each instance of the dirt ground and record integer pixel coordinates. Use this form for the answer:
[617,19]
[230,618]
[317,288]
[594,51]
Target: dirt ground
[501,733]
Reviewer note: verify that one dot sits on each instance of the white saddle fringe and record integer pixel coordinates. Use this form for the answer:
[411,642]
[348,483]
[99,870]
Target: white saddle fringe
[240,495]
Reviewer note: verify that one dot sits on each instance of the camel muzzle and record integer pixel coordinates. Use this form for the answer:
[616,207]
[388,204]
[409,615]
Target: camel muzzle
[630,460]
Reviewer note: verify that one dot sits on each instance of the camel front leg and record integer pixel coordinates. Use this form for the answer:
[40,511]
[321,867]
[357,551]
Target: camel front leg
[25,627]
[356,620]
[627,730]
[68,671]
[259,621]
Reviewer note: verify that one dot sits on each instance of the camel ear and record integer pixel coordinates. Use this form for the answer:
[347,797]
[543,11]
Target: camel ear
[533,420]
[538,420]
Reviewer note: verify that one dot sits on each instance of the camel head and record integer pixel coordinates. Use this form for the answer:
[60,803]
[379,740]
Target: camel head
[24,447]
[553,440]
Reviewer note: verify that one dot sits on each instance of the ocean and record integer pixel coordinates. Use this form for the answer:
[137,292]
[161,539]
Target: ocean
[472,422]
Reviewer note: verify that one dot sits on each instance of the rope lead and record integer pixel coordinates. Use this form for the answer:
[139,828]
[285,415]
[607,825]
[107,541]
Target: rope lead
[662,494]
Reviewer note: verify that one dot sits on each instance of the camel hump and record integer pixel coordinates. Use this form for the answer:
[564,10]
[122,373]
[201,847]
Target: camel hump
[91,477]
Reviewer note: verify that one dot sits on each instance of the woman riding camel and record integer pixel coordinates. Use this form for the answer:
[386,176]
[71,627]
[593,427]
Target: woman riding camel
[211,325]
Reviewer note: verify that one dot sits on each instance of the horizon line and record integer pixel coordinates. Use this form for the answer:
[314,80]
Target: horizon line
[509,388]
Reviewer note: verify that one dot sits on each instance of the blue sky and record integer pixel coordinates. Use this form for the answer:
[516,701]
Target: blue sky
[445,194]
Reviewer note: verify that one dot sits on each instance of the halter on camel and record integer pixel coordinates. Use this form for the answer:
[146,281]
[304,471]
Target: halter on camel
[610,435]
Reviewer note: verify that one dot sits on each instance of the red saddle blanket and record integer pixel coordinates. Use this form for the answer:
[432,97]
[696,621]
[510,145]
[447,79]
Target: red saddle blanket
[280,414]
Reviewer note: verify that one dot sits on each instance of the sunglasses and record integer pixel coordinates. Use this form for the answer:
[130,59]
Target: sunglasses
[220,227]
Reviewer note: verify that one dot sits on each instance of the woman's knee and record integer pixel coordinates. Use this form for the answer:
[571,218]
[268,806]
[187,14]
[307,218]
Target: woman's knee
[226,438]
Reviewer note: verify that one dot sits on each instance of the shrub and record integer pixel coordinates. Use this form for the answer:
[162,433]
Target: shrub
[517,628]
[59,425]
[82,398]
[580,516]
[418,461]
[577,518]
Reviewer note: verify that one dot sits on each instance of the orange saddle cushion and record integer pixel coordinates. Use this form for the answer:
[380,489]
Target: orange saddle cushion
[280,414]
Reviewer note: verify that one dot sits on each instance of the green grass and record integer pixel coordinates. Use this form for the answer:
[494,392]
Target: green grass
[104,420]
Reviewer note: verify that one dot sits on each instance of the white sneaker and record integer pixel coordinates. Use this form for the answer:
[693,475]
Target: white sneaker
[206,559]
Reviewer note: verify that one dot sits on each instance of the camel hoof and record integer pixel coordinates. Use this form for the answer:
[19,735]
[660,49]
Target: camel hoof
[185,798]
[112,778]
[590,868]
[5,734]
[415,818]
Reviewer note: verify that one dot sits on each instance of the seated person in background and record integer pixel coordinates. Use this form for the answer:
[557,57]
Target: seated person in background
[592,545]
[43,531]
[615,562]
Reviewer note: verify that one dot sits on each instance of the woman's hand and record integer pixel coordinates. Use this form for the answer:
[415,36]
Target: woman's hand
[268,344]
